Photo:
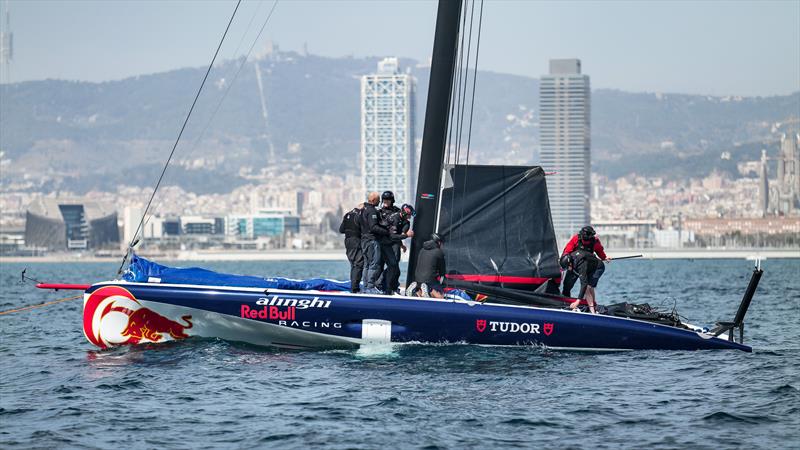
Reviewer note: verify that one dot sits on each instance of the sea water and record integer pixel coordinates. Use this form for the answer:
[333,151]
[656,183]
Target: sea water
[56,390]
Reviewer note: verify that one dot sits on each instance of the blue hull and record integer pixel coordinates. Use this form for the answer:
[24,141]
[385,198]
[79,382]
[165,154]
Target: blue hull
[118,313]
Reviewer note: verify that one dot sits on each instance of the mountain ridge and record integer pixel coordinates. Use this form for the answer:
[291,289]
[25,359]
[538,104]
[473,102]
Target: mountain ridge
[62,132]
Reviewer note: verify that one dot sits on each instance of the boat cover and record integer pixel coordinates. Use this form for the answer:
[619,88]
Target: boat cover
[497,227]
[145,271]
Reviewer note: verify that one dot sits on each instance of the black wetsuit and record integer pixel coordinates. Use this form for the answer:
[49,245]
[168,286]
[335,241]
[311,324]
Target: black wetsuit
[430,266]
[398,229]
[390,259]
[371,233]
[351,228]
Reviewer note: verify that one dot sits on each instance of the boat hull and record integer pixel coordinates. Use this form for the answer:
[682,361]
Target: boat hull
[119,313]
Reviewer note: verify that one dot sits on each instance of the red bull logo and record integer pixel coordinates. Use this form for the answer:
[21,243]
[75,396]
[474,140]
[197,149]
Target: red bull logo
[269,312]
[112,316]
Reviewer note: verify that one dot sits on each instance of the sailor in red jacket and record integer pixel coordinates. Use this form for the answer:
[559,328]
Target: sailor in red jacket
[579,261]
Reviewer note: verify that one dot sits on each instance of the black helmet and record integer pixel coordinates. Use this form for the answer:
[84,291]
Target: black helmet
[565,261]
[436,238]
[387,195]
[586,232]
[412,212]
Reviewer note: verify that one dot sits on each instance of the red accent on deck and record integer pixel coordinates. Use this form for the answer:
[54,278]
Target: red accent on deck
[64,286]
[497,279]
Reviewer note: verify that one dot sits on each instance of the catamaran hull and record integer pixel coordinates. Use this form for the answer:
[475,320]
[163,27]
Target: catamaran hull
[119,313]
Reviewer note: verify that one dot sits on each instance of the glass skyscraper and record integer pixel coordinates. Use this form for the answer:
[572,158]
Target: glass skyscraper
[387,131]
[564,106]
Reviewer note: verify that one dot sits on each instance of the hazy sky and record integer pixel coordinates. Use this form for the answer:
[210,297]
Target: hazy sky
[718,47]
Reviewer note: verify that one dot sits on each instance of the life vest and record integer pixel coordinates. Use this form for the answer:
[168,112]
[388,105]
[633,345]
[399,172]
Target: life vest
[588,246]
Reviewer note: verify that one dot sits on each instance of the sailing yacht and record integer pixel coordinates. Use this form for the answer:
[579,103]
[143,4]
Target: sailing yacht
[501,253]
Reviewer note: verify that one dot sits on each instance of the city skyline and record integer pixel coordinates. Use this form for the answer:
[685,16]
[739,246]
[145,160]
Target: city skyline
[637,54]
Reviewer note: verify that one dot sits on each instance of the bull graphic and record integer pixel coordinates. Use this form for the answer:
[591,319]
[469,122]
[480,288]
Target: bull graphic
[113,316]
[480,324]
[145,324]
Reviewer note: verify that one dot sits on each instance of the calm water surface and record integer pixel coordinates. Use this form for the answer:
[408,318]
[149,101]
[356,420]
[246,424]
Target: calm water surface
[57,391]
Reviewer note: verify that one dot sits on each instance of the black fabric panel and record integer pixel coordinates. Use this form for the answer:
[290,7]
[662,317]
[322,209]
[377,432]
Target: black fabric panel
[496,221]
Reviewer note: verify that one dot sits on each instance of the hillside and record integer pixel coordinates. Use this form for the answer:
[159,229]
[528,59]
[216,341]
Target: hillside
[79,135]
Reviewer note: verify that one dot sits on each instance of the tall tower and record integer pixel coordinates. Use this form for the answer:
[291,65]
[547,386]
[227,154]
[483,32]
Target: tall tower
[387,131]
[6,44]
[763,186]
[788,176]
[565,126]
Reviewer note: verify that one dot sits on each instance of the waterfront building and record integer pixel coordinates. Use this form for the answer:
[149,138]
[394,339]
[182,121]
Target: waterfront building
[262,224]
[202,225]
[564,108]
[71,224]
[387,131]
[788,174]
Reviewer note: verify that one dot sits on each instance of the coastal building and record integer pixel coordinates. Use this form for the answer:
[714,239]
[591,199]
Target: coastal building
[387,131]
[564,106]
[262,224]
[787,178]
[71,224]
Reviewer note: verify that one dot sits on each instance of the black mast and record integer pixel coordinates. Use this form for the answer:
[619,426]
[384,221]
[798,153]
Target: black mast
[434,135]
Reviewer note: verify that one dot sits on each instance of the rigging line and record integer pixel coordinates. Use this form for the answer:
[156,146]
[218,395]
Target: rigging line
[462,99]
[460,131]
[459,109]
[40,305]
[224,95]
[455,94]
[459,90]
[472,105]
[183,127]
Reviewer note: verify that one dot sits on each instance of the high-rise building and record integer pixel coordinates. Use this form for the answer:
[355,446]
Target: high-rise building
[788,176]
[564,124]
[387,131]
[763,185]
[6,45]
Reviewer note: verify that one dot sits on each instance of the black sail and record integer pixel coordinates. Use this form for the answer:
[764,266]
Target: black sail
[497,227]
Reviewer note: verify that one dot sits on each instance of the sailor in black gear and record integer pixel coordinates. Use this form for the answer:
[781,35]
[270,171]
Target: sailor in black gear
[399,229]
[371,234]
[430,270]
[390,259]
[351,228]
[581,263]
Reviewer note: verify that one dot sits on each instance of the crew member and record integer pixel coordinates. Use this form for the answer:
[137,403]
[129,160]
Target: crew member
[399,229]
[371,233]
[390,260]
[430,270]
[351,228]
[579,261]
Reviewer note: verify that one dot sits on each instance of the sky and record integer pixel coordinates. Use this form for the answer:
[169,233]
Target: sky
[699,47]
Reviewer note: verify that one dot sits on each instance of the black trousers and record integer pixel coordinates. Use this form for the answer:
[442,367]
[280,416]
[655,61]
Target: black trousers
[389,278]
[570,277]
[588,271]
[352,246]
[390,284]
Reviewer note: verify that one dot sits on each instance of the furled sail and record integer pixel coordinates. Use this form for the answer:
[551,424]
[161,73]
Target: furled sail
[497,227]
